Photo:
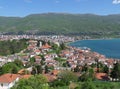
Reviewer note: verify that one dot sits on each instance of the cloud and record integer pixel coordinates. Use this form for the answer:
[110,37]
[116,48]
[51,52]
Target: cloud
[116,2]
[28,1]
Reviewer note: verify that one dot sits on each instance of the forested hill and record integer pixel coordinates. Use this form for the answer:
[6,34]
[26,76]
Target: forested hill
[62,23]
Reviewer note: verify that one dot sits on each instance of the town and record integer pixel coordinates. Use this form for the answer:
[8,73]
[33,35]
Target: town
[51,56]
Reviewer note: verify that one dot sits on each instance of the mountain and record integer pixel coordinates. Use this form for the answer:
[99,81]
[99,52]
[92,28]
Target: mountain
[63,23]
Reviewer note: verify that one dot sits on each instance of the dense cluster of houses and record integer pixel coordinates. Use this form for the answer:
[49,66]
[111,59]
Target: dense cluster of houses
[34,49]
[56,39]
[76,56]
[51,38]
[73,56]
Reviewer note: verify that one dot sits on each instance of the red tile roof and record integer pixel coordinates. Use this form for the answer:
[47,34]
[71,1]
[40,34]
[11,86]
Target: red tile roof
[37,57]
[21,71]
[37,50]
[101,76]
[55,72]
[8,78]
[46,46]
[25,76]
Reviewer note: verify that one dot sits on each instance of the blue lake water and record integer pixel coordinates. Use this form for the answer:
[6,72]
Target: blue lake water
[110,47]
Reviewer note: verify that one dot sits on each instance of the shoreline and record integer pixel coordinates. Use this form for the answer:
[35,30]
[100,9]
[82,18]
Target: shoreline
[68,44]
[90,40]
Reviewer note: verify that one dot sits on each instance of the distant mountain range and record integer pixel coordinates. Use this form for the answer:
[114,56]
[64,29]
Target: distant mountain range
[62,23]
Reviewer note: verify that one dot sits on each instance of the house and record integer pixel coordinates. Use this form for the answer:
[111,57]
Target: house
[25,58]
[55,72]
[101,76]
[8,80]
[38,59]
[37,51]
[33,42]
[46,47]
[32,54]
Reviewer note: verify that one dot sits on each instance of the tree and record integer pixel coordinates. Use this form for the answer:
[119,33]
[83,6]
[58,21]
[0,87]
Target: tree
[34,82]
[55,47]
[43,58]
[14,70]
[86,75]
[32,60]
[83,77]
[91,73]
[106,69]
[77,69]
[57,83]
[1,72]
[115,73]
[85,68]
[49,43]
[97,64]
[9,67]
[11,47]
[88,85]
[67,77]
[65,64]
[34,71]
[46,69]
[19,63]
[39,69]
[62,46]
[42,62]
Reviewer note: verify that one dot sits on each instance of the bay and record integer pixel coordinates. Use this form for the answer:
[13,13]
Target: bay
[108,47]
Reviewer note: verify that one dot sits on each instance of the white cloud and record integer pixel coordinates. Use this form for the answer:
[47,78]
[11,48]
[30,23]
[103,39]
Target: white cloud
[28,1]
[116,2]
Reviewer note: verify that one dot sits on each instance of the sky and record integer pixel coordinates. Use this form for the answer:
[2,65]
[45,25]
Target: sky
[23,8]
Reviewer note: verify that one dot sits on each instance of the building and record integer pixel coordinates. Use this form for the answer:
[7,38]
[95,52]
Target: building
[8,80]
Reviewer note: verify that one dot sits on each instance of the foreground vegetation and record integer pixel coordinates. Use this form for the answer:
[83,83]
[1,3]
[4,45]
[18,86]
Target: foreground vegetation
[11,47]
[40,82]
[11,67]
[76,79]
[34,82]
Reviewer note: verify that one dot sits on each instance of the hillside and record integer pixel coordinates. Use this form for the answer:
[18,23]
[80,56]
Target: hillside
[76,24]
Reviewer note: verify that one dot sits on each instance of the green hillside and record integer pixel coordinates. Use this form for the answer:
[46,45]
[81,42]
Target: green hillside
[85,24]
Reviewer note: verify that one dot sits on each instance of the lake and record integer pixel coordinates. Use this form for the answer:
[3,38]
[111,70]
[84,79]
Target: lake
[108,47]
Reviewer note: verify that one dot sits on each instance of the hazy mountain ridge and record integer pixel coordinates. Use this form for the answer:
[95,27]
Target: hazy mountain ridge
[62,23]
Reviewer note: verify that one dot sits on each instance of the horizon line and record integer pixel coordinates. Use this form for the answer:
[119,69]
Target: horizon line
[61,13]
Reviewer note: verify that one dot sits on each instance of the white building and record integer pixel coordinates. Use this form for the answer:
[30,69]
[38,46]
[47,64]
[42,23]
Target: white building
[8,80]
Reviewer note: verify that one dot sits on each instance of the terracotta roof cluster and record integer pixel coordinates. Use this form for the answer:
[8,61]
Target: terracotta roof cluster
[8,78]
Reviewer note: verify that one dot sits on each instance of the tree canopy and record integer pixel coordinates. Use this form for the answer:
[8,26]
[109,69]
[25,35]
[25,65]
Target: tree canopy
[34,82]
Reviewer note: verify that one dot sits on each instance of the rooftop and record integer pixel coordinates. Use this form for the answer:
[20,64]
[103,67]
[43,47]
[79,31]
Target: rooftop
[8,78]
